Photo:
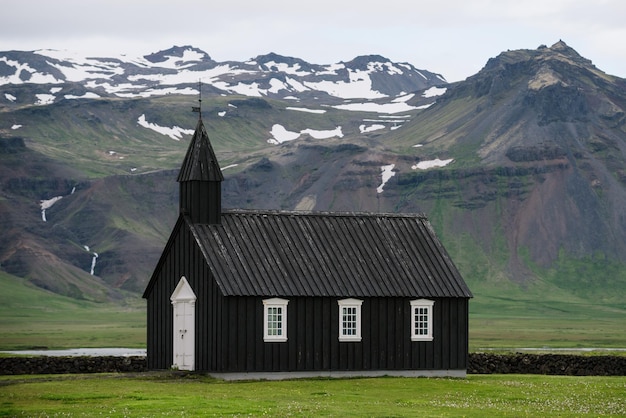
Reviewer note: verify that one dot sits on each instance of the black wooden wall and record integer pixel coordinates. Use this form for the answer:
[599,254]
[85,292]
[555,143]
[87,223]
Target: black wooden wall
[229,330]
[313,344]
[182,257]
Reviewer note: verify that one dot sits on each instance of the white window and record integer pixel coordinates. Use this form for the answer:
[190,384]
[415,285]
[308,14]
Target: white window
[350,319]
[422,320]
[275,320]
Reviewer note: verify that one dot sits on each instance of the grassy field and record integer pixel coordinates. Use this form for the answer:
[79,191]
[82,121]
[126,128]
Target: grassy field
[528,320]
[150,395]
[33,317]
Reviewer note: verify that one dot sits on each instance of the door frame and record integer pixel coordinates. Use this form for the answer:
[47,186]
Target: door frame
[184,317]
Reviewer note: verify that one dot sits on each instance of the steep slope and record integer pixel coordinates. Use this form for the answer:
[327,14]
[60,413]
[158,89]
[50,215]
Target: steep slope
[538,139]
[30,247]
[88,239]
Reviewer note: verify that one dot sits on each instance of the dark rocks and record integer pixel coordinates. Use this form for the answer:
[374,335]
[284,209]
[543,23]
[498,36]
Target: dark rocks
[549,364]
[12,145]
[67,365]
[479,363]
[535,153]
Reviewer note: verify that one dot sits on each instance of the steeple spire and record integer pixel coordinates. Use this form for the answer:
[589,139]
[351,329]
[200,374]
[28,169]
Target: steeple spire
[200,179]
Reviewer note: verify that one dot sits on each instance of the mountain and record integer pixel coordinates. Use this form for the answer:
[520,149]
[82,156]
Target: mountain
[60,75]
[519,167]
[90,146]
[538,137]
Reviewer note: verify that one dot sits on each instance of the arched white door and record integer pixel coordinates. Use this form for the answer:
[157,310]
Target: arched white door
[184,303]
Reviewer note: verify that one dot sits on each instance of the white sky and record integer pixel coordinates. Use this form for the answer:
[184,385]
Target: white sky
[452,37]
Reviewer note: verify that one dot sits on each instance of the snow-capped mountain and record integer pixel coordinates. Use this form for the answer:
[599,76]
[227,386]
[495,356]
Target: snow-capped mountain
[52,75]
[521,165]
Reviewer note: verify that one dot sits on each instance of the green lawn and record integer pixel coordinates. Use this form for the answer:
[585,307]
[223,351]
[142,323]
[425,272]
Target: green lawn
[168,394]
[32,317]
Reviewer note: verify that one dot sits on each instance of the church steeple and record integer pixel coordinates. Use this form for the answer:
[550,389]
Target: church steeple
[200,180]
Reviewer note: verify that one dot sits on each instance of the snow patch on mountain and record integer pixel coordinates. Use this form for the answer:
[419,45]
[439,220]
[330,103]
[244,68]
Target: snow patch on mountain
[425,165]
[25,74]
[304,109]
[386,173]
[359,86]
[44,99]
[393,122]
[375,127]
[337,132]
[88,95]
[189,58]
[14,127]
[174,132]
[188,76]
[296,85]
[332,69]
[388,108]
[434,92]
[280,134]
[10,97]
[47,204]
[285,68]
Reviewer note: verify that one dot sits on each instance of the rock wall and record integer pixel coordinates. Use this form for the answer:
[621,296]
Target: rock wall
[65,365]
[479,363]
[553,364]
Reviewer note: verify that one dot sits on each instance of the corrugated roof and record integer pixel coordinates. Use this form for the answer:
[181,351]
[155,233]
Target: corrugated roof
[200,162]
[277,253]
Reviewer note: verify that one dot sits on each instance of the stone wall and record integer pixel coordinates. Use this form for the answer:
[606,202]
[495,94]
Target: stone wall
[479,363]
[65,365]
[554,364]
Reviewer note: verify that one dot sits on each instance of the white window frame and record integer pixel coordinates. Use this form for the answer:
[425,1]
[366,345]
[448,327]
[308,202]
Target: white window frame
[275,303]
[350,303]
[427,305]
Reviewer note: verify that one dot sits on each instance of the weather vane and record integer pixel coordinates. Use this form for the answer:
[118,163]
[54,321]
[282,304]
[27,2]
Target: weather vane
[199,107]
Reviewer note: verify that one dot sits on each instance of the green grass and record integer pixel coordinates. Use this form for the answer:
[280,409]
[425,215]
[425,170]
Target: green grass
[149,395]
[82,137]
[542,315]
[515,318]
[32,317]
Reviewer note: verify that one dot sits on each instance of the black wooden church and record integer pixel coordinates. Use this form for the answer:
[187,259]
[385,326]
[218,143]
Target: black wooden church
[275,294]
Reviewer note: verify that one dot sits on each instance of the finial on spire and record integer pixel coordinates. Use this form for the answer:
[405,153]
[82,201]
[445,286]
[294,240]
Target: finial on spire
[199,107]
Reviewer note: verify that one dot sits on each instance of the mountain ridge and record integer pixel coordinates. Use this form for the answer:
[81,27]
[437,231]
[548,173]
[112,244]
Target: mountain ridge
[184,67]
[520,166]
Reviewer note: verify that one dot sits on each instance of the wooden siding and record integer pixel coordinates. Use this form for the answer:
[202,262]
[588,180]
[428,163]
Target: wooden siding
[313,343]
[286,254]
[201,201]
[182,257]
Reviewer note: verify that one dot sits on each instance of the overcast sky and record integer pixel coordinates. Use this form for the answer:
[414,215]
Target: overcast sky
[454,38]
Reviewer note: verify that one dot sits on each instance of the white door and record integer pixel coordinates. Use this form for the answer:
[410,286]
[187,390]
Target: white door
[184,301]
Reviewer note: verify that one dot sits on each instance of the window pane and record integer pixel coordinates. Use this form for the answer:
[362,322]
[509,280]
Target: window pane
[348,323]
[274,320]
[420,321]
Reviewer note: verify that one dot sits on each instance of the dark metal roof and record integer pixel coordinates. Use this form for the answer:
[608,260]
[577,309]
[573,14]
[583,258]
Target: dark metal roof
[276,253]
[200,162]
